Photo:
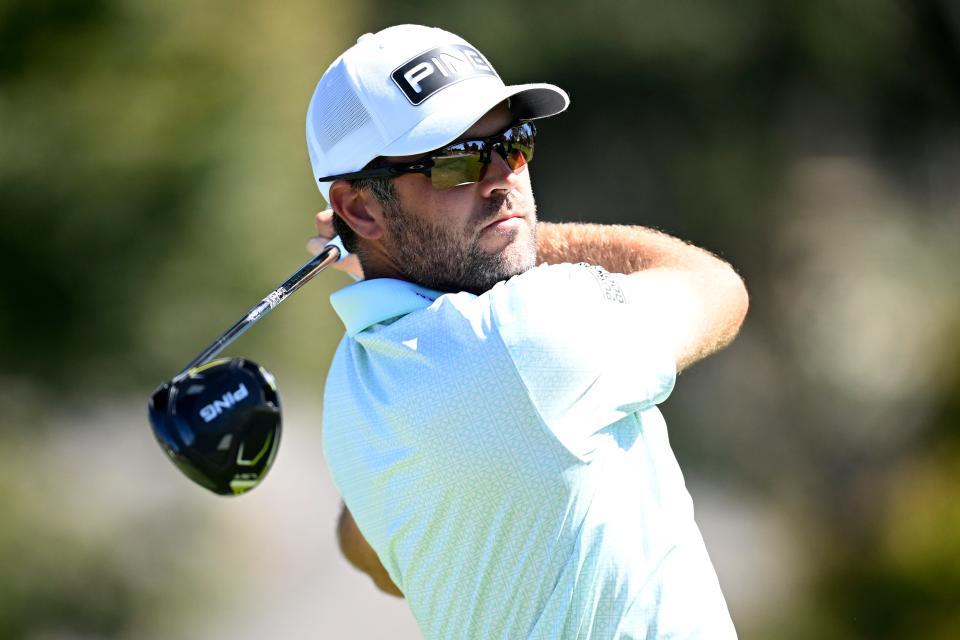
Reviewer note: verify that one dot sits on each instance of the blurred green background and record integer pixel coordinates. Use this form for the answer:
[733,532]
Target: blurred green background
[154,183]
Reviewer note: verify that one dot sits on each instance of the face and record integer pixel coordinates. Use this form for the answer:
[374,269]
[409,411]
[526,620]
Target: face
[469,237]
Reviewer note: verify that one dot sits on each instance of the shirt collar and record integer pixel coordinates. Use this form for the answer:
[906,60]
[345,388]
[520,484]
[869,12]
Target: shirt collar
[368,302]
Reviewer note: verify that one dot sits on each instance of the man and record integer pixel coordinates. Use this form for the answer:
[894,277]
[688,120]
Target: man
[492,424]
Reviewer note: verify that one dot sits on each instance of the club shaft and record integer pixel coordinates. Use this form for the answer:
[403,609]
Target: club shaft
[321,261]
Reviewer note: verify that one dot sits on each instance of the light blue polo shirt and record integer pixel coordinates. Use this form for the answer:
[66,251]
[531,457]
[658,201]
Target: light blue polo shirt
[504,456]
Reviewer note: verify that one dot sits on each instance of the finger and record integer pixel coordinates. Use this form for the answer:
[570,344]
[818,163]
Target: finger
[316,244]
[324,223]
[350,264]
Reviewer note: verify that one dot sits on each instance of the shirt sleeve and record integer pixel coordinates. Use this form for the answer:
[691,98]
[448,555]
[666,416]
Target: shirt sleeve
[588,348]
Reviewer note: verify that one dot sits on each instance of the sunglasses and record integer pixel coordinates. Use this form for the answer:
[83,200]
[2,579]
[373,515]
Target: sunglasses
[459,163]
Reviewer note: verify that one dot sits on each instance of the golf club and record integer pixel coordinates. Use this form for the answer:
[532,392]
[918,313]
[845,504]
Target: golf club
[219,421]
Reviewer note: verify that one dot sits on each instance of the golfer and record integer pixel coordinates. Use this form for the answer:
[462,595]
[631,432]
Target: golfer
[490,416]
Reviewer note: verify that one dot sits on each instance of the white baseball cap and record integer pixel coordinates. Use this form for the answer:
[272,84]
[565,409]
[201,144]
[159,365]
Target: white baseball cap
[406,90]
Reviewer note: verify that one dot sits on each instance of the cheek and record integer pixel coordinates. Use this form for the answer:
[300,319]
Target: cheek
[524,179]
[417,195]
[450,208]
[523,194]
[446,211]
[412,189]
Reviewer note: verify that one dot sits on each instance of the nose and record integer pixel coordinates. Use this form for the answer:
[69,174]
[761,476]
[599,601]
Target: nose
[498,175]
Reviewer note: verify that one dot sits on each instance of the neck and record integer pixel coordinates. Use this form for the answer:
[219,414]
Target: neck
[376,263]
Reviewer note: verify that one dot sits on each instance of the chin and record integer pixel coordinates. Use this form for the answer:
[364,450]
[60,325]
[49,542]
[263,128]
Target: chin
[519,255]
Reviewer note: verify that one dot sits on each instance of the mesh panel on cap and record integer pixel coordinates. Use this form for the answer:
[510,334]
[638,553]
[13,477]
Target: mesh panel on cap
[339,113]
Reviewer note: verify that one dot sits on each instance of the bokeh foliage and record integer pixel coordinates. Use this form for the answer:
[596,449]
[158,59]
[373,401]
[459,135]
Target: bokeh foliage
[154,184]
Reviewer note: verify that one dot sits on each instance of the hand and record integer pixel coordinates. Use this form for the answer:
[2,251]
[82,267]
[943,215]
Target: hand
[361,555]
[325,231]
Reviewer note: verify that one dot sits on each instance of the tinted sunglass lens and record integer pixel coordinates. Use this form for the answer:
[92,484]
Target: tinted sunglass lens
[449,171]
[516,158]
[520,140]
[462,163]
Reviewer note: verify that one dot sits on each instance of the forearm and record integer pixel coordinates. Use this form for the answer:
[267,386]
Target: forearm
[361,555]
[616,248]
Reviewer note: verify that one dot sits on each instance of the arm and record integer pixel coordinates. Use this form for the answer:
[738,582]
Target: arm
[359,553]
[699,299]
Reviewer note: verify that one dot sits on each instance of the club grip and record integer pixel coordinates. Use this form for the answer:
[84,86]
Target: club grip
[337,243]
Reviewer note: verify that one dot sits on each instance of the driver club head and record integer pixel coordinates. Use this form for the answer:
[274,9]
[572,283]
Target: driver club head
[219,423]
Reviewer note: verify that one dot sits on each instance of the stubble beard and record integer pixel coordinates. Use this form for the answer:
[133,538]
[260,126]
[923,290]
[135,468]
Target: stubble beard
[444,259]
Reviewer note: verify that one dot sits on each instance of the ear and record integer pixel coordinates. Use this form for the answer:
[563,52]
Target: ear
[360,210]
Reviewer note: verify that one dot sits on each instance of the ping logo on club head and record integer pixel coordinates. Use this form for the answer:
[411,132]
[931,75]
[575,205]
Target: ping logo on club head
[427,73]
[230,398]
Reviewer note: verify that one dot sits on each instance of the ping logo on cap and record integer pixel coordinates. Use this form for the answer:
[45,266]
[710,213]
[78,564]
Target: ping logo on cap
[427,73]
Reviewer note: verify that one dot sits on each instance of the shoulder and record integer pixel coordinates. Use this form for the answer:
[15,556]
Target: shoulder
[556,275]
[557,309]
[555,293]
[566,281]
[583,343]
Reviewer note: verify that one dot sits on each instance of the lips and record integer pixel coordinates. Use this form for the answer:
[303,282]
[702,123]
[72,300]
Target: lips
[502,218]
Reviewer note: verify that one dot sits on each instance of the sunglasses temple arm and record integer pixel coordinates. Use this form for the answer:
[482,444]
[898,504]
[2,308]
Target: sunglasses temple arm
[333,252]
[380,172]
